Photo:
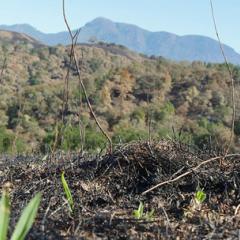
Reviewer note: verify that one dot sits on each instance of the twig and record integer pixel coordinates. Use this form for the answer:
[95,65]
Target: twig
[55,143]
[66,91]
[188,172]
[165,213]
[236,210]
[66,82]
[81,82]
[231,77]
[81,125]
[45,216]
[149,116]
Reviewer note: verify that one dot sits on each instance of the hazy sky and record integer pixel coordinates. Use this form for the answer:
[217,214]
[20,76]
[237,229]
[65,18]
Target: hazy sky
[177,16]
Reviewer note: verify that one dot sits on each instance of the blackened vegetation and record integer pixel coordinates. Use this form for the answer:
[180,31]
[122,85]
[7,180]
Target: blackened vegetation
[134,168]
[106,189]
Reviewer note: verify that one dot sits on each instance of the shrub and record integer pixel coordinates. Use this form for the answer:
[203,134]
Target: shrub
[6,140]
[12,113]
[129,134]
[94,139]
[33,80]
[162,113]
[138,114]
[95,64]
[69,139]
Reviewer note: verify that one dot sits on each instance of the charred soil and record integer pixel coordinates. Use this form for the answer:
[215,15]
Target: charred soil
[107,188]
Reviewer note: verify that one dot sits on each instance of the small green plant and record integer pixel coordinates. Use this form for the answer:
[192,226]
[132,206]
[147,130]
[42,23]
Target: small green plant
[200,196]
[25,221]
[67,192]
[149,215]
[4,215]
[139,213]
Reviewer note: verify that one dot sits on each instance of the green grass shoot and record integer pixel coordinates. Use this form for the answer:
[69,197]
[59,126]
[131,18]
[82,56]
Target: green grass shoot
[25,221]
[4,215]
[149,215]
[200,196]
[67,192]
[138,214]
[27,218]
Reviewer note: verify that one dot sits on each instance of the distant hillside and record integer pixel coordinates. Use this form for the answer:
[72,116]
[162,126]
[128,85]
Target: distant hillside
[123,87]
[15,37]
[168,45]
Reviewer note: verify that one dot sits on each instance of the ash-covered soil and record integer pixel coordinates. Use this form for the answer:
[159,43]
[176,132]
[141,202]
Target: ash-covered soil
[106,189]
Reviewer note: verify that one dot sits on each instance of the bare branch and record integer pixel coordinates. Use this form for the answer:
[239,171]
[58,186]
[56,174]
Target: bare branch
[81,125]
[80,80]
[231,77]
[66,86]
[192,170]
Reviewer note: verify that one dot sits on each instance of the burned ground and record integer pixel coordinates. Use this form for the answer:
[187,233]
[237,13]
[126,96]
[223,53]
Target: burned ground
[107,188]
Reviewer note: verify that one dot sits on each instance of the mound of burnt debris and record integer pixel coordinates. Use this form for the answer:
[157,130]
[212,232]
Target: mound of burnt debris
[163,176]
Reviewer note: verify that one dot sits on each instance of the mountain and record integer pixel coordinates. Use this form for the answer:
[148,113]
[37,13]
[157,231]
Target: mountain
[168,45]
[46,38]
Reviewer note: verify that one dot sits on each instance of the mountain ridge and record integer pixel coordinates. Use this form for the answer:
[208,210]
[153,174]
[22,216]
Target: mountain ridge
[160,43]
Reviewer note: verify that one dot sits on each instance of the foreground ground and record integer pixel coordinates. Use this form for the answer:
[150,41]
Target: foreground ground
[106,189]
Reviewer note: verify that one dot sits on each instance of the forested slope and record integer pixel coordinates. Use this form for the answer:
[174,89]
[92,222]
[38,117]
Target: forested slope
[126,90]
